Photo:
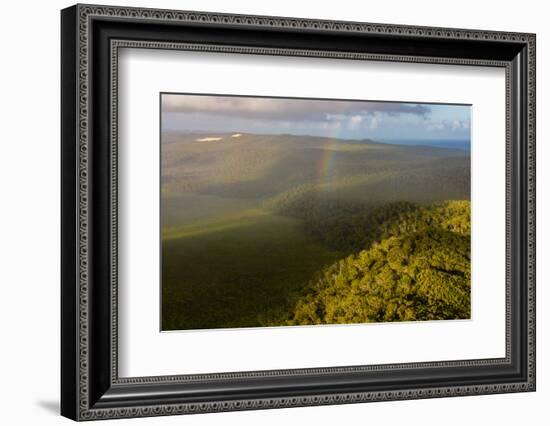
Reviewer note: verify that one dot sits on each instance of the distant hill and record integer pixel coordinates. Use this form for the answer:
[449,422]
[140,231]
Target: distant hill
[460,144]
[265,166]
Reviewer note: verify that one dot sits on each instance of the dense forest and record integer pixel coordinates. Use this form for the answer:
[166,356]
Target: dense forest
[270,230]
[415,265]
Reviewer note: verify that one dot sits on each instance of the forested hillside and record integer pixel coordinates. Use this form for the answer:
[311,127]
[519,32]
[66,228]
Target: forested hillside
[286,230]
[416,268]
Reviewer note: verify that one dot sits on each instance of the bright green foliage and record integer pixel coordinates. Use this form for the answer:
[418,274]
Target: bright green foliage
[418,270]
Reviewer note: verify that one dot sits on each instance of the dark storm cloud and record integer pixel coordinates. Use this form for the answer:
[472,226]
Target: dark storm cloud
[285,109]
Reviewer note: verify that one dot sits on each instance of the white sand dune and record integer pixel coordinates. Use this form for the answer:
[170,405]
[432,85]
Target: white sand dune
[211,139]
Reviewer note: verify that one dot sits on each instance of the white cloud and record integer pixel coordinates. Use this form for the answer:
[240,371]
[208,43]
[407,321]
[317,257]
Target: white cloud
[331,125]
[355,120]
[375,121]
[449,125]
[436,126]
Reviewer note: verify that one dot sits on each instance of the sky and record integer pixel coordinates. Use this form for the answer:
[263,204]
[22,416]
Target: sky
[333,118]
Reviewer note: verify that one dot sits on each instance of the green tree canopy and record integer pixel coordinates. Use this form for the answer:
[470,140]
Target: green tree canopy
[419,269]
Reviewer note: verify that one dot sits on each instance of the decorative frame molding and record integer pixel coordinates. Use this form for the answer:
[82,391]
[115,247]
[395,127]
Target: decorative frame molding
[91,388]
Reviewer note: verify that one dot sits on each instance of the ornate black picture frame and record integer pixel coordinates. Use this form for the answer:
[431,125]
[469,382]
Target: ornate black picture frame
[91,387]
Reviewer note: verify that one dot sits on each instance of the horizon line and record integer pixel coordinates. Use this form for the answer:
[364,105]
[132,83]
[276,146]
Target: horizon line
[203,132]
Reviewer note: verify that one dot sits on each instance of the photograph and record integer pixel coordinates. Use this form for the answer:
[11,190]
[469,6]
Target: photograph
[279,211]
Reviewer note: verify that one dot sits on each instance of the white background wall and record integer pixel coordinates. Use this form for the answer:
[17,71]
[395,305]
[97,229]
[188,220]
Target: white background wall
[29,212]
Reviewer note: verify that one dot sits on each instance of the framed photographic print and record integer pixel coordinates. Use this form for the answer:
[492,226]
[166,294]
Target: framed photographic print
[280,212]
[263,212]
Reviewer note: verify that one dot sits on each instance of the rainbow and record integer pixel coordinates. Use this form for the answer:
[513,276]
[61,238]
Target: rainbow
[325,162]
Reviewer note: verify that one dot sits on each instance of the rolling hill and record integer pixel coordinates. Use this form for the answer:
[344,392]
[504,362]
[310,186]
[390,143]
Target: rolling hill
[261,166]
[249,220]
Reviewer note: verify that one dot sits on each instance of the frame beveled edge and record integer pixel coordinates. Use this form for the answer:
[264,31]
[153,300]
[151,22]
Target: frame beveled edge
[76,204]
